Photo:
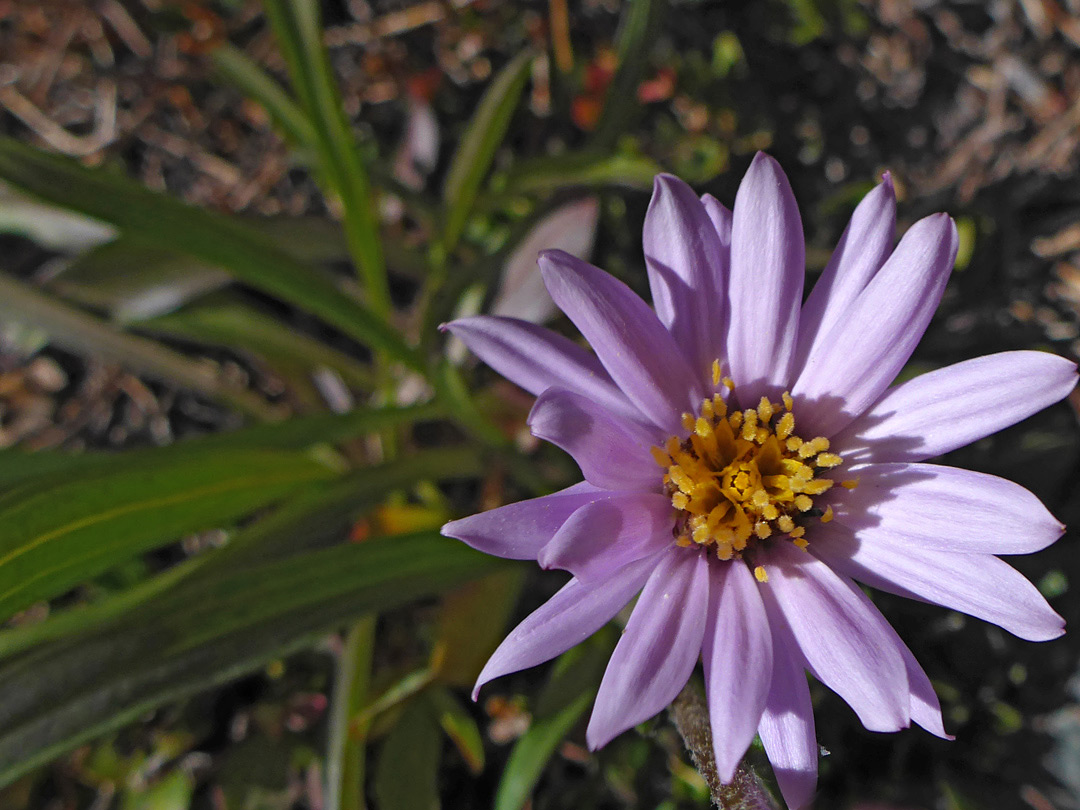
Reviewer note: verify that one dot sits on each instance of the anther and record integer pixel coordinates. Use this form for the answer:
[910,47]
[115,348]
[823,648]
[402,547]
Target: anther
[828,460]
[661,458]
[785,426]
[760,574]
[715,373]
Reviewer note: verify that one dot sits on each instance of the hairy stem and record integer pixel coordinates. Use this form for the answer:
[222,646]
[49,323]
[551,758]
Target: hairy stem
[745,791]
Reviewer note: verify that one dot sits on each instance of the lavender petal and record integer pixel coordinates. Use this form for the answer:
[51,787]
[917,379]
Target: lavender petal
[603,536]
[658,651]
[536,359]
[863,248]
[936,507]
[787,724]
[687,269]
[738,659]
[767,271]
[639,353]
[980,585]
[956,405]
[566,619]
[845,640]
[861,355]
[612,453]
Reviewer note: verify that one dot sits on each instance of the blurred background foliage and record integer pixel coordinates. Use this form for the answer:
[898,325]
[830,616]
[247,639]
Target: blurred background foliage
[231,429]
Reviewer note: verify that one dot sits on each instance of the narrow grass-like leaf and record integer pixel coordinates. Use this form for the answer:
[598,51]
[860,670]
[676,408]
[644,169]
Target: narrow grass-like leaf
[581,169]
[317,516]
[17,466]
[229,322]
[407,774]
[207,630]
[480,141]
[304,431]
[238,69]
[216,239]
[79,332]
[471,625]
[568,694]
[63,529]
[459,727]
[298,28]
[132,282]
[621,103]
[346,758]
[533,750]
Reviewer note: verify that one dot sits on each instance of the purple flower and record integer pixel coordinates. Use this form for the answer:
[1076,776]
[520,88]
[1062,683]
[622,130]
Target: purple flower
[745,463]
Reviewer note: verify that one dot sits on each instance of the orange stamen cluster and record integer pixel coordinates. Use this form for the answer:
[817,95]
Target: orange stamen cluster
[744,476]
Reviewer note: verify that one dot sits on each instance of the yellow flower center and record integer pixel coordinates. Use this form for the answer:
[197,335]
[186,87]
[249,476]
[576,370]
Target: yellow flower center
[744,476]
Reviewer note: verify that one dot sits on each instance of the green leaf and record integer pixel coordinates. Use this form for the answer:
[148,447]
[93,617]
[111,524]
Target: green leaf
[346,754]
[471,625]
[482,137]
[173,791]
[49,226]
[533,750]
[399,691]
[209,629]
[216,239]
[238,69]
[62,530]
[133,282]
[80,332]
[305,431]
[581,169]
[567,695]
[408,769]
[298,28]
[298,433]
[459,727]
[317,516]
[232,323]
[621,103]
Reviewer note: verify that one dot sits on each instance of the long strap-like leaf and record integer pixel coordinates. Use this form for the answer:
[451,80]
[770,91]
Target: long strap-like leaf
[216,239]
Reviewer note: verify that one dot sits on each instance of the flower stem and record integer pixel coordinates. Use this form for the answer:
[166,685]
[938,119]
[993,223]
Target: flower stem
[746,790]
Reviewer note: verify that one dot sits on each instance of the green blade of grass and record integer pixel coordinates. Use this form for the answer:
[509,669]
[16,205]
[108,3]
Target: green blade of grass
[79,332]
[482,138]
[207,630]
[316,515]
[235,67]
[216,239]
[298,28]
[65,528]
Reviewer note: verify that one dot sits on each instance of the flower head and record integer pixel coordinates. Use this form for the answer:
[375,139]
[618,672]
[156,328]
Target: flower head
[746,463]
